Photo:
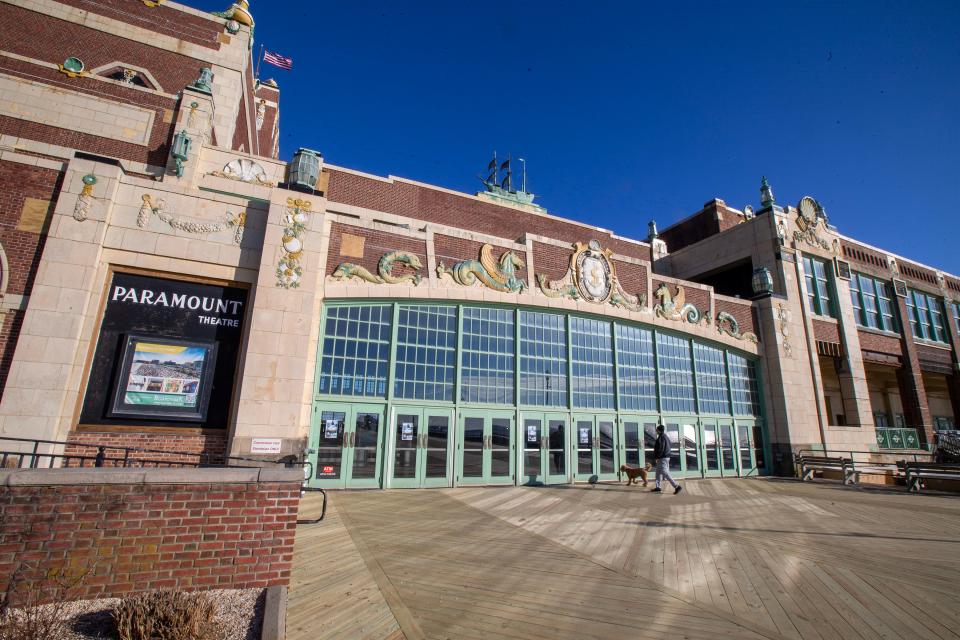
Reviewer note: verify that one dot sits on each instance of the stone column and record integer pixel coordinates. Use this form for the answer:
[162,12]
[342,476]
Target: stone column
[40,398]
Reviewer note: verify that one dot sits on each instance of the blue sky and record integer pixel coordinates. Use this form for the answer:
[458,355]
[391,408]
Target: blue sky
[627,111]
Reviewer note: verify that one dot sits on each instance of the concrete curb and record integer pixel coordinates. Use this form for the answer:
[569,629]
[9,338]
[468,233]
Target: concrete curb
[112,475]
[275,614]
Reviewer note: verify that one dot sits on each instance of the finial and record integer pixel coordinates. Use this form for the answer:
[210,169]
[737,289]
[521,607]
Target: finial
[766,193]
[652,227]
[239,11]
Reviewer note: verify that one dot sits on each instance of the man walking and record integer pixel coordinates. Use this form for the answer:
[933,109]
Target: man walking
[661,461]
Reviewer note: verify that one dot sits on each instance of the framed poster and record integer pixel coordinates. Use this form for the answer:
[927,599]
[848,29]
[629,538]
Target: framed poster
[161,377]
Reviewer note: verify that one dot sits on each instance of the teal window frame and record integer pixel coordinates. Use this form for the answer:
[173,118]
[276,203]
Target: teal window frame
[425,359]
[818,274]
[662,371]
[488,355]
[926,316]
[873,303]
[955,309]
[593,381]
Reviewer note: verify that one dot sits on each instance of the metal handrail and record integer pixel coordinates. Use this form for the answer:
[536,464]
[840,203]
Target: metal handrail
[127,456]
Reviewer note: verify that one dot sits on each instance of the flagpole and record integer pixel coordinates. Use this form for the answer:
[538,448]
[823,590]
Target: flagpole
[259,60]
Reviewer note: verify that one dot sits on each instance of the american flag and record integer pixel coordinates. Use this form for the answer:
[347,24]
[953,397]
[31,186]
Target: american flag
[278,60]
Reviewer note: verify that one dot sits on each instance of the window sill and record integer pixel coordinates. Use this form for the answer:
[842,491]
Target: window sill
[934,344]
[879,332]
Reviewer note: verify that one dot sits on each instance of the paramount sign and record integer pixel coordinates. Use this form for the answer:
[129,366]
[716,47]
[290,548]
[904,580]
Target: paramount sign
[217,306]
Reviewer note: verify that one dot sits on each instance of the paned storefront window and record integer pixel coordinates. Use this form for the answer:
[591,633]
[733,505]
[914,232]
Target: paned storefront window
[487,357]
[711,379]
[426,348]
[543,359]
[636,374]
[926,316]
[872,303]
[676,373]
[592,363]
[817,273]
[356,351]
[743,386]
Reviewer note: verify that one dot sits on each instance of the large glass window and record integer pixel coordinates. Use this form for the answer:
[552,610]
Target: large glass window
[872,303]
[356,351]
[636,374]
[543,359]
[817,273]
[426,347]
[743,386]
[676,374]
[926,316]
[654,371]
[711,379]
[956,315]
[487,358]
[592,363]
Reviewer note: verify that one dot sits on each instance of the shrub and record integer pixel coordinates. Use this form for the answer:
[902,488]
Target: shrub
[166,615]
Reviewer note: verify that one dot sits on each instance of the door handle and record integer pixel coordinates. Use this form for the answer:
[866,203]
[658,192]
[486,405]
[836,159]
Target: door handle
[353,439]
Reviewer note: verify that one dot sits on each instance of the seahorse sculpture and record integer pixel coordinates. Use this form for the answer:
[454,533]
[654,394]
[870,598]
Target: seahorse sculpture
[499,276]
[385,268]
[727,324]
[675,308]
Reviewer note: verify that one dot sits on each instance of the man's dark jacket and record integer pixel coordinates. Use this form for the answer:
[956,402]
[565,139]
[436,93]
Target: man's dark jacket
[661,448]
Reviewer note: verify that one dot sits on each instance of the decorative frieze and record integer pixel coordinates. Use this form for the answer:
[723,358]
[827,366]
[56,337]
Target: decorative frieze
[676,307]
[244,170]
[85,200]
[289,268]
[497,275]
[348,270]
[727,324]
[158,209]
[592,277]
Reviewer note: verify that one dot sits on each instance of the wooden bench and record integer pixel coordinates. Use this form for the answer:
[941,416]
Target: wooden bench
[917,471]
[809,464]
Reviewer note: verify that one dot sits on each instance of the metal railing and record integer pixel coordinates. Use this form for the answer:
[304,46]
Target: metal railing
[898,438]
[26,453]
[860,456]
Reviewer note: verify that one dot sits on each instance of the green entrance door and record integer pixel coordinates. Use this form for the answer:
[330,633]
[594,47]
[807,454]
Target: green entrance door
[596,442]
[420,440]
[710,439]
[747,448]
[728,447]
[637,435]
[347,440]
[684,446]
[544,448]
[485,448]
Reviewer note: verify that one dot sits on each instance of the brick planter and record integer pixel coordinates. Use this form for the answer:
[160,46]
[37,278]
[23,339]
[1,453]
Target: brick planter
[123,531]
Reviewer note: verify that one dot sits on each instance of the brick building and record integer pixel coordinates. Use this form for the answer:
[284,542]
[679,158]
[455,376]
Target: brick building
[169,283]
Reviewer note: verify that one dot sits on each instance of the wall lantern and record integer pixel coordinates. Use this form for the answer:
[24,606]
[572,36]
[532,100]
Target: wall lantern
[762,282]
[181,150]
[304,170]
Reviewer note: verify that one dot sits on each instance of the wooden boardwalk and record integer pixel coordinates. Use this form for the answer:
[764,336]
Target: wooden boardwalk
[751,558]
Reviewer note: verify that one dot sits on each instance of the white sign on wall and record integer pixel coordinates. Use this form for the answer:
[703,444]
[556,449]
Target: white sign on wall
[265,445]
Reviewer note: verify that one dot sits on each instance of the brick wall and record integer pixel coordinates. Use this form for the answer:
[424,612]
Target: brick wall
[161,19]
[880,344]
[23,247]
[376,244]
[187,448]
[826,331]
[633,277]
[128,531]
[459,211]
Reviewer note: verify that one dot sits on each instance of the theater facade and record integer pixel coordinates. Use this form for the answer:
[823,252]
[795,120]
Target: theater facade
[169,283]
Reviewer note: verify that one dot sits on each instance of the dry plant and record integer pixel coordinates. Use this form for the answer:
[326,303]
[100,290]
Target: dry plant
[23,614]
[166,615]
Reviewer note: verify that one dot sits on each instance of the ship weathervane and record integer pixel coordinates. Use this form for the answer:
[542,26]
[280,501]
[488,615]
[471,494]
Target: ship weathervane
[499,182]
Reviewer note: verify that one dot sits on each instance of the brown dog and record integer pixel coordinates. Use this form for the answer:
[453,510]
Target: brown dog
[636,472]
